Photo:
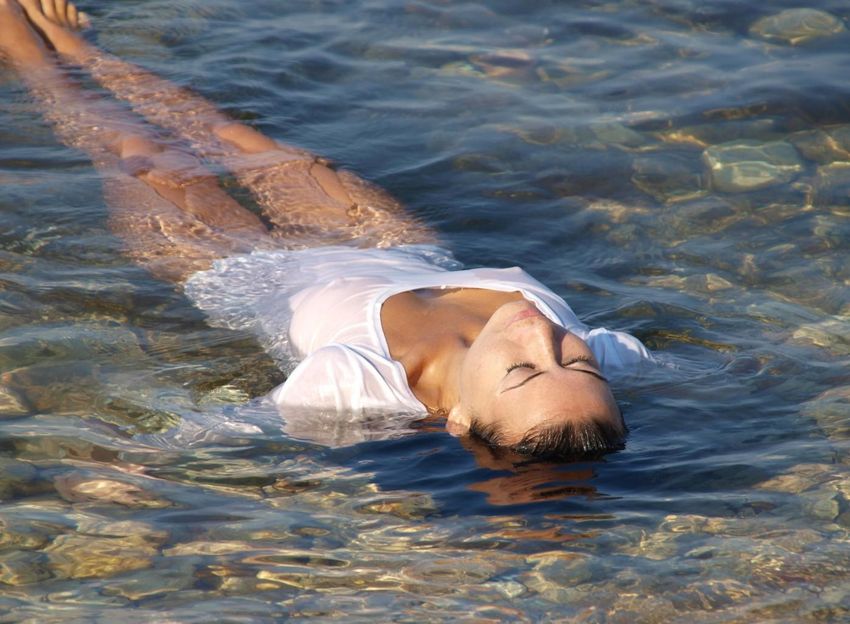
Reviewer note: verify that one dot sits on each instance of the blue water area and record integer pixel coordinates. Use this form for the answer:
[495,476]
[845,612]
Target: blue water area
[677,170]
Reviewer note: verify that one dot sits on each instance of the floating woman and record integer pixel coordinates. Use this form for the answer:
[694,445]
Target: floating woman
[333,275]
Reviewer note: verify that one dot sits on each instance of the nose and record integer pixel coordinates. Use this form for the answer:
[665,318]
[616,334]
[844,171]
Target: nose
[542,337]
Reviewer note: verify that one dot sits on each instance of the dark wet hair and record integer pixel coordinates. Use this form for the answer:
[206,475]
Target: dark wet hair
[571,439]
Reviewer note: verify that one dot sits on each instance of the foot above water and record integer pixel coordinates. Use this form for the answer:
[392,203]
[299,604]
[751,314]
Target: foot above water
[57,22]
[18,41]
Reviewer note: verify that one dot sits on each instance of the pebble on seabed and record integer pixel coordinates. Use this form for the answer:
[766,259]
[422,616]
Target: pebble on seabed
[829,334]
[179,576]
[23,568]
[800,478]
[82,556]
[12,403]
[831,410]
[703,135]
[831,187]
[797,26]
[15,477]
[823,145]
[79,487]
[741,166]
[669,178]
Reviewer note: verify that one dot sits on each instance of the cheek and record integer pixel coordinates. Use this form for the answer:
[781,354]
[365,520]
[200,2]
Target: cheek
[479,377]
[473,385]
[469,372]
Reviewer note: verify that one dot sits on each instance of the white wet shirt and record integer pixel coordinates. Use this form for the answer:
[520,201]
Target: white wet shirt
[320,310]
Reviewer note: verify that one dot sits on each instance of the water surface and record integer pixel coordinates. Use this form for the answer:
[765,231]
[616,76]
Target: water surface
[679,170]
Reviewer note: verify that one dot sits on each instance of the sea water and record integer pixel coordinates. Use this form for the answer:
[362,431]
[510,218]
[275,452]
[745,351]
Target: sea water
[676,169]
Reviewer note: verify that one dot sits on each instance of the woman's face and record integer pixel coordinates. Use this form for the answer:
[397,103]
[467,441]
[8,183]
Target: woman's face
[523,370]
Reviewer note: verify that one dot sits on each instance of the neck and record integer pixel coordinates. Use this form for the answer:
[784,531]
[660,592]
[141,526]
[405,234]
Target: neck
[430,331]
[438,384]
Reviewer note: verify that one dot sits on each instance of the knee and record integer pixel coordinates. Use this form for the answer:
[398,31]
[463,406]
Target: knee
[135,145]
[160,165]
[245,138]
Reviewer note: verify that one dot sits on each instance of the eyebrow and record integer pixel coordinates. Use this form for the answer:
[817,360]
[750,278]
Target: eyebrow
[566,367]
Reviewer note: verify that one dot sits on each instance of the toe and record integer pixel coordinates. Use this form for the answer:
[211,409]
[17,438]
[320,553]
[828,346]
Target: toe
[48,10]
[73,16]
[33,10]
[61,7]
[58,12]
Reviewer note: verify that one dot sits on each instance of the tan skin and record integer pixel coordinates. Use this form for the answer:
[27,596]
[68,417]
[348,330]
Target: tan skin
[467,352]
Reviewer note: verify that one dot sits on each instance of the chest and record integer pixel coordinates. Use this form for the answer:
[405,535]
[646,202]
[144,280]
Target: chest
[342,311]
[421,319]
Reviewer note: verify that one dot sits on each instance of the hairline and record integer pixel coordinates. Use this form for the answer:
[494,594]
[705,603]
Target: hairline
[562,438]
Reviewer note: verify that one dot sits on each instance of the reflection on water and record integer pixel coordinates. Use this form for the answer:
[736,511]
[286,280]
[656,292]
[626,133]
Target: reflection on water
[679,170]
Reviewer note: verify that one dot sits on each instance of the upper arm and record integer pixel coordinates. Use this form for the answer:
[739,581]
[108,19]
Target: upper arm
[344,378]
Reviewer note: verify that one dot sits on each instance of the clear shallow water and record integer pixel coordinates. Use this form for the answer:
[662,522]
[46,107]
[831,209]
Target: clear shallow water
[589,143]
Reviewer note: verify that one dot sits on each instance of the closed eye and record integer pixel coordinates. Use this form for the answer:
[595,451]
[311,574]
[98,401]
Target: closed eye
[592,371]
[564,364]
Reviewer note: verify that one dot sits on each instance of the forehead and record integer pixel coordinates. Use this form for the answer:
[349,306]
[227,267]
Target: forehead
[523,408]
[551,399]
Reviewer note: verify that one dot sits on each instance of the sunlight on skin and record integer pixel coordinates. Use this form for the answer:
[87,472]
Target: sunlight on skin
[523,370]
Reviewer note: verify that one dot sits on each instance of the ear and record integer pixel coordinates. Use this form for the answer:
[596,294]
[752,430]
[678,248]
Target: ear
[457,422]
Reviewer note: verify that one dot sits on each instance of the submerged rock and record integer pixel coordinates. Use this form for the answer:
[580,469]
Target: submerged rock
[411,507]
[16,477]
[54,343]
[82,556]
[12,403]
[559,576]
[832,334]
[613,133]
[823,504]
[20,535]
[742,166]
[655,545]
[713,594]
[796,540]
[609,211]
[90,524]
[505,65]
[800,478]
[831,188]
[823,145]
[703,135]
[695,524]
[79,487]
[632,607]
[667,177]
[451,572]
[565,75]
[203,548]
[179,576]
[796,26]
[831,410]
[23,568]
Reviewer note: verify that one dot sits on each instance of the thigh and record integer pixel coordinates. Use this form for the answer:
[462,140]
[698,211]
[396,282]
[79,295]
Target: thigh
[309,203]
[171,212]
[169,242]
